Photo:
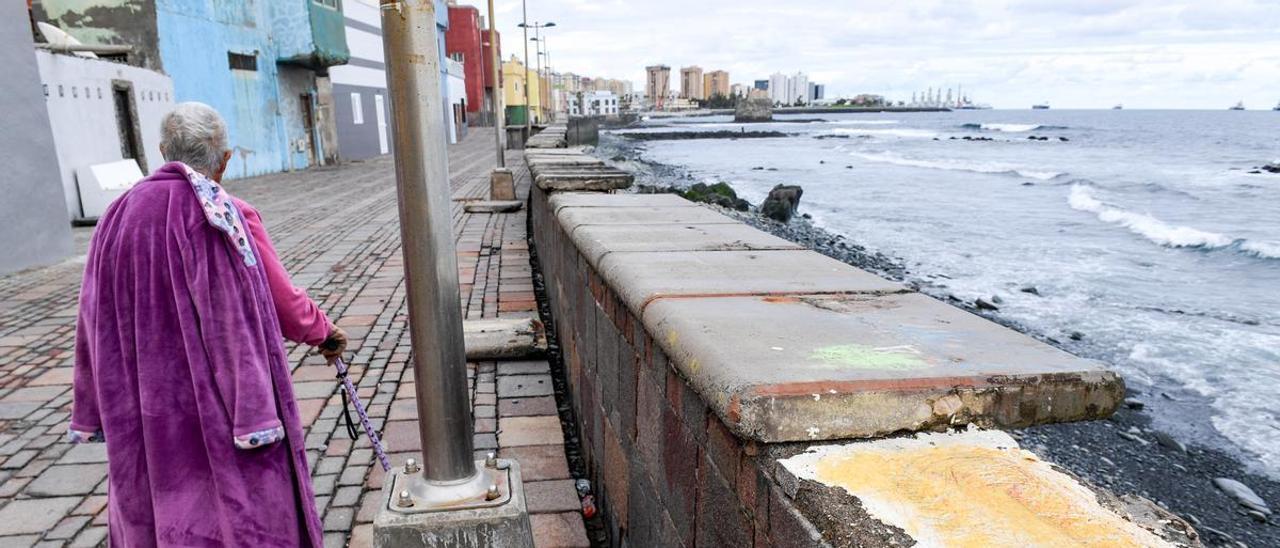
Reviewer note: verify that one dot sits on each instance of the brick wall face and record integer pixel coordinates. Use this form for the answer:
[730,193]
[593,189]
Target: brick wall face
[665,470]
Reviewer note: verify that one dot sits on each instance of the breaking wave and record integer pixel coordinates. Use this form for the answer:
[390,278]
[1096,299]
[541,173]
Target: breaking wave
[900,133]
[1010,128]
[863,122]
[1165,234]
[957,165]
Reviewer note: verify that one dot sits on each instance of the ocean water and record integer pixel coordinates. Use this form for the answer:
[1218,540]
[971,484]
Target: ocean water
[1143,232]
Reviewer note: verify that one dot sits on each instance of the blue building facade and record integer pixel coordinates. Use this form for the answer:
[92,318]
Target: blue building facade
[262,64]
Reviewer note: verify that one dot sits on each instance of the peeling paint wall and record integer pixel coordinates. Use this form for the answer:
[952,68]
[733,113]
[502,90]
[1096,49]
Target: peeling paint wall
[190,40]
[114,22]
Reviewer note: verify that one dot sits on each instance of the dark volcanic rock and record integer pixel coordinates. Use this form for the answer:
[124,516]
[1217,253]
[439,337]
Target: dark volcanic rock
[782,202]
[984,305]
[720,194]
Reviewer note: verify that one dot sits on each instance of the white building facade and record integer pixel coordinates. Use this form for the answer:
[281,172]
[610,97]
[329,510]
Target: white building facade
[595,103]
[101,112]
[779,89]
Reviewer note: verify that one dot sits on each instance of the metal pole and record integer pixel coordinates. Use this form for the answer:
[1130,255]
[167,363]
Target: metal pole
[537,33]
[498,111]
[431,264]
[528,96]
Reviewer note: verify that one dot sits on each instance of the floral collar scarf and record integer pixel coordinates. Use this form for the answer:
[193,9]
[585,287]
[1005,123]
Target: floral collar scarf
[221,212]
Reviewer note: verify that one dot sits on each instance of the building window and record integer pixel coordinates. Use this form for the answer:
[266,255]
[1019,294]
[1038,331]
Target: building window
[457,56]
[331,4]
[242,61]
[357,109]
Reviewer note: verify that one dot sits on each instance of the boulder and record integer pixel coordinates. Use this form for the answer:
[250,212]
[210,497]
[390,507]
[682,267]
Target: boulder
[782,203]
[754,109]
[720,194]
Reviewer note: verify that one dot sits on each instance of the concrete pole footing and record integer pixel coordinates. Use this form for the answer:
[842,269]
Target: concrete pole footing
[505,525]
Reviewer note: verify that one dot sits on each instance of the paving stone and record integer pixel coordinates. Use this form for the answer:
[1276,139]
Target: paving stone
[524,407]
[563,530]
[67,528]
[17,410]
[528,367]
[338,519]
[551,496]
[539,462]
[346,496]
[85,453]
[91,505]
[20,459]
[513,431]
[68,479]
[335,540]
[524,386]
[361,537]
[34,515]
[369,505]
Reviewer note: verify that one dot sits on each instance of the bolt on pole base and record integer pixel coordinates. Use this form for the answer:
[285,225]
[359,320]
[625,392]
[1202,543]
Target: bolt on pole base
[487,510]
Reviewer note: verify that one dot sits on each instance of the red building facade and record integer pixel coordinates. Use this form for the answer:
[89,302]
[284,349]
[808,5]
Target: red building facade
[468,42]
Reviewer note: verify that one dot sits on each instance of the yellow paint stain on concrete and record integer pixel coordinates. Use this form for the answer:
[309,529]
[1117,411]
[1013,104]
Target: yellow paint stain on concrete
[972,495]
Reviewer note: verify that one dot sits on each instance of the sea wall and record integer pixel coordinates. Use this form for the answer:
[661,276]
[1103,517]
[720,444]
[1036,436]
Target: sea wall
[666,470]
[700,354]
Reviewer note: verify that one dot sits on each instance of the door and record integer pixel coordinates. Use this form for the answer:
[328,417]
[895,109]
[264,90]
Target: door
[309,127]
[381,112]
[127,123]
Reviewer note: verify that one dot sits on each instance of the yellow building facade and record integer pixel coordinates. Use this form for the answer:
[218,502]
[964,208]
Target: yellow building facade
[516,79]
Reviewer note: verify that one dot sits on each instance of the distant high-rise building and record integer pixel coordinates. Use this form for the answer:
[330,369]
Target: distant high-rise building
[779,89]
[715,83]
[817,92]
[691,83]
[798,89]
[657,85]
[762,85]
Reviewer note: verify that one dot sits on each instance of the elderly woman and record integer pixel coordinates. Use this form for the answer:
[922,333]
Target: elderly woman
[180,366]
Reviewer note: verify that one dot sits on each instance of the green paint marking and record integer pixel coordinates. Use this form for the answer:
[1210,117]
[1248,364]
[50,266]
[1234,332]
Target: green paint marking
[893,358]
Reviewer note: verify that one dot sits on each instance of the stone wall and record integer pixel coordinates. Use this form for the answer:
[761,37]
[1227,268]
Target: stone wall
[666,470]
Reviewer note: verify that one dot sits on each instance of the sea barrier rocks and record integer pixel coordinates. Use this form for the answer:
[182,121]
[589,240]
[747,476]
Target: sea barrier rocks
[782,203]
[754,109]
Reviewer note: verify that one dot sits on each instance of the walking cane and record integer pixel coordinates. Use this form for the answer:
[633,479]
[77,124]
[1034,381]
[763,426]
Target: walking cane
[349,392]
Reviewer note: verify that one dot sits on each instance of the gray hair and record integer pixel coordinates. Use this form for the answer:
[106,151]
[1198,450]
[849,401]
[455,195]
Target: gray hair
[194,134]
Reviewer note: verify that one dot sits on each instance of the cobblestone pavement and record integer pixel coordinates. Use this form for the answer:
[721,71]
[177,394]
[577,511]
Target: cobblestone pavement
[336,230]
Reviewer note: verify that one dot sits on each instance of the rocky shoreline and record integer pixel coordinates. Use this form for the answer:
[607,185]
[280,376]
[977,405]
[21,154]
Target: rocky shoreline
[1124,454]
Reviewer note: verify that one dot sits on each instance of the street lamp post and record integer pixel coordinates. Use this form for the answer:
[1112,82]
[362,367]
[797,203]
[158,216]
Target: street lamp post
[496,73]
[537,30]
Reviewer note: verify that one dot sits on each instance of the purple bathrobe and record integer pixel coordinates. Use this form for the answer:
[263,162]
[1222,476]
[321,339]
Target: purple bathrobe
[178,352]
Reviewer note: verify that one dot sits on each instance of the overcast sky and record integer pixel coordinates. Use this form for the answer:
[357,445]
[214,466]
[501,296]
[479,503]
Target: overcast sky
[1072,53]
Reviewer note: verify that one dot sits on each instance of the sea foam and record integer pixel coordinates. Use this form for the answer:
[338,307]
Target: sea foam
[958,165]
[1165,234]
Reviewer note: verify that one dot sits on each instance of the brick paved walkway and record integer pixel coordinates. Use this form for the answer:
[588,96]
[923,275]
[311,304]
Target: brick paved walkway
[336,230]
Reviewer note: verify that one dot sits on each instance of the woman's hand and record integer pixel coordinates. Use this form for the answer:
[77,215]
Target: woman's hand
[333,347]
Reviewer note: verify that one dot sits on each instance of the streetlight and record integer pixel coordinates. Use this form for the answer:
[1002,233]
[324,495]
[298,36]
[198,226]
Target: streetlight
[537,32]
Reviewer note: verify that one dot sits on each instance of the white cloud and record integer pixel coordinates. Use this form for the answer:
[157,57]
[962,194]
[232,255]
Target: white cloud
[1074,53]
